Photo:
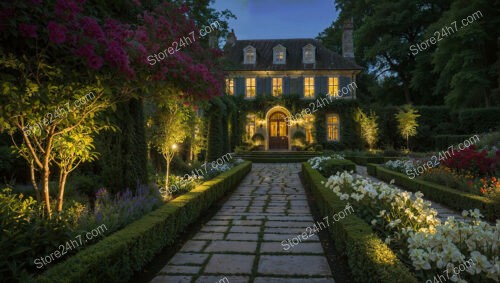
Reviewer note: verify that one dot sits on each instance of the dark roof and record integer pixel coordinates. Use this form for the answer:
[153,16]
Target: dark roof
[325,58]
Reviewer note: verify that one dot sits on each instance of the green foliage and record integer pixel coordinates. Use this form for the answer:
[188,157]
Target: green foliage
[478,120]
[332,166]
[369,127]
[299,138]
[258,138]
[464,62]
[407,122]
[451,197]
[119,255]
[369,258]
[122,159]
[445,141]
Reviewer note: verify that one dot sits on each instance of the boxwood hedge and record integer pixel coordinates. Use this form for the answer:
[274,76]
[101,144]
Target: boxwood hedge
[118,256]
[369,258]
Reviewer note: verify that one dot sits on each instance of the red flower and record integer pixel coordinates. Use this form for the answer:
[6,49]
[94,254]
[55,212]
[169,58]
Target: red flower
[28,30]
[57,33]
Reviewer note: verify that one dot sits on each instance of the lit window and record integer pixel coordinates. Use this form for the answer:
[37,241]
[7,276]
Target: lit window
[333,86]
[249,55]
[332,124]
[309,87]
[250,127]
[279,54]
[277,86]
[230,86]
[308,54]
[250,87]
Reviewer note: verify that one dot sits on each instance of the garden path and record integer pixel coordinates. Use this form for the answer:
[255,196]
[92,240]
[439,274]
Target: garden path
[242,242]
[443,211]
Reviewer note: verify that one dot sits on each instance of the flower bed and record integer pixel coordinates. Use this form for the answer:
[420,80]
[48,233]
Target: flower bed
[329,165]
[412,229]
[369,258]
[450,197]
[128,250]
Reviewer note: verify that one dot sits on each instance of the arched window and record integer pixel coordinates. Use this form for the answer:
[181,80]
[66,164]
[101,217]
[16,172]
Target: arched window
[249,55]
[308,54]
[279,54]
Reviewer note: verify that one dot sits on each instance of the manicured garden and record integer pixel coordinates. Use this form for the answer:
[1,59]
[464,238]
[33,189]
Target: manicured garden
[402,238]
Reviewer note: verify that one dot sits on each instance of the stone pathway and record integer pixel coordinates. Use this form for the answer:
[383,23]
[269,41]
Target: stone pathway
[243,241]
[443,211]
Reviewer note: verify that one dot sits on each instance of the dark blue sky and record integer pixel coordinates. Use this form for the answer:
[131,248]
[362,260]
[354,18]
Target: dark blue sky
[266,19]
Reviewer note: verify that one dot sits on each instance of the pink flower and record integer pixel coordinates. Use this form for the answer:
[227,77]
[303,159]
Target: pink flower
[28,30]
[57,33]
[92,29]
[67,9]
[95,62]
[116,55]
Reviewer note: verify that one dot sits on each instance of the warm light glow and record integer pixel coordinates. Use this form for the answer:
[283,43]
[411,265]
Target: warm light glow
[277,86]
[174,146]
[250,87]
[332,122]
[333,86]
[309,87]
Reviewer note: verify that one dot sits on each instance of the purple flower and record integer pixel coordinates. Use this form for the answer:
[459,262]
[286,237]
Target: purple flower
[57,32]
[28,30]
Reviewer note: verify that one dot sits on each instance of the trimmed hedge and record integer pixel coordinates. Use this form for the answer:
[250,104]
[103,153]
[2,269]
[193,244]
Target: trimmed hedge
[478,120]
[364,160]
[369,258]
[332,166]
[445,141]
[115,258]
[451,197]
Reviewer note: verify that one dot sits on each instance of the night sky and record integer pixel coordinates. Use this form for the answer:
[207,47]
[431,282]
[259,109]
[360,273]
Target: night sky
[268,19]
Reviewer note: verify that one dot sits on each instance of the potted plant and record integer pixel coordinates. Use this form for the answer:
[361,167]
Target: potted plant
[298,140]
[258,141]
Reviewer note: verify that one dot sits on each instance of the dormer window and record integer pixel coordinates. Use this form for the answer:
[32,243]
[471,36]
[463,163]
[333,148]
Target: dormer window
[249,55]
[279,56]
[308,54]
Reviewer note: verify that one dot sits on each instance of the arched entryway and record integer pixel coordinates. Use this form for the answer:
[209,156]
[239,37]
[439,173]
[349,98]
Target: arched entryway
[278,131]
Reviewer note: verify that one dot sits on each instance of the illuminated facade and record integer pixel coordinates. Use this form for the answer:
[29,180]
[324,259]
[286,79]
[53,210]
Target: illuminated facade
[285,67]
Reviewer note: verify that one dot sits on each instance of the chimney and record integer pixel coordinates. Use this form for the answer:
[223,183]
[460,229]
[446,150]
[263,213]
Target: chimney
[213,40]
[347,43]
[231,39]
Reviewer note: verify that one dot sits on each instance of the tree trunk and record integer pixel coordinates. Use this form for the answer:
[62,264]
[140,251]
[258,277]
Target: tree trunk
[33,182]
[62,184]
[167,174]
[45,182]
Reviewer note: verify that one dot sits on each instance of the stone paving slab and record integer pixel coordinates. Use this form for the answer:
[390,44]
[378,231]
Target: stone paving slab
[305,265]
[243,240]
[230,264]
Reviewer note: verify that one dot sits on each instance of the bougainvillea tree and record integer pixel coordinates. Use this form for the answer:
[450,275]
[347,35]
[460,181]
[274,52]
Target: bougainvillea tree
[49,45]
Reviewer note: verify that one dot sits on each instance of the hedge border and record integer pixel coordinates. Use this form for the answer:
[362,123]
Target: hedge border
[116,257]
[369,258]
[453,198]
[364,160]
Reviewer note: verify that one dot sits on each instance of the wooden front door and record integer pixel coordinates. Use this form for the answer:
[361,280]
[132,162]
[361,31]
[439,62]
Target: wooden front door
[278,131]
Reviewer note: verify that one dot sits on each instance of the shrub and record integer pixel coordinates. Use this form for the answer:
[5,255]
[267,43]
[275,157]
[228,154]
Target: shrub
[470,160]
[450,197]
[445,141]
[318,147]
[369,258]
[468,120]
[299,138]
[118,256]
[332,166]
